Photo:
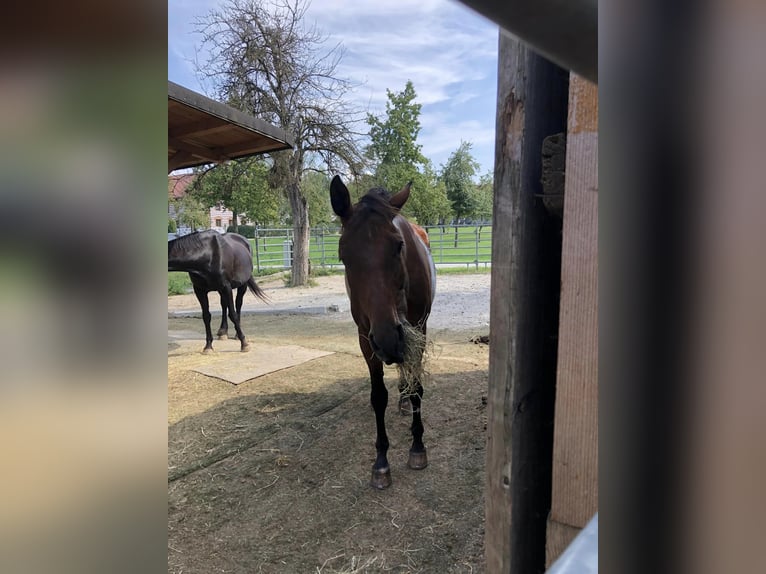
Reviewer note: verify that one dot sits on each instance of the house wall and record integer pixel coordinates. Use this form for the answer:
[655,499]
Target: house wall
[221,218]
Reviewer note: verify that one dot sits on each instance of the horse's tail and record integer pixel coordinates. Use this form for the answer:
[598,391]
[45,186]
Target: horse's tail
[256,290]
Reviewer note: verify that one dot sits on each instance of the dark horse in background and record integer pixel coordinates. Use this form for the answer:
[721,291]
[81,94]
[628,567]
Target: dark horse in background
[217,262]
[391,280]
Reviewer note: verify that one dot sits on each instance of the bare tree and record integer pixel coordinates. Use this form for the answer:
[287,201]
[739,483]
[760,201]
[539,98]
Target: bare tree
[264,59]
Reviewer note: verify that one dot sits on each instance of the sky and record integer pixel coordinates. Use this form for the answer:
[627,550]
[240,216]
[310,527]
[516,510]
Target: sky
[446,50]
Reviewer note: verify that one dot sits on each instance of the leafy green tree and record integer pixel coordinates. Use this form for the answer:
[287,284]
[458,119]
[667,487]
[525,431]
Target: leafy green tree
[428,203]
[398,157]
[361,184]
[242,186]
[484,197]
[316,185]
[457,175]
[265,60]
[192,212]
[394,138]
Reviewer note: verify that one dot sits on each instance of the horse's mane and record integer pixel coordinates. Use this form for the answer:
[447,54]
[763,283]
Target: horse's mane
[375,203]
[192,241]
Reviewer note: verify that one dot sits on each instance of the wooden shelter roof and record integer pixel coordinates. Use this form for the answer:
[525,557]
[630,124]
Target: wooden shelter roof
[202,131]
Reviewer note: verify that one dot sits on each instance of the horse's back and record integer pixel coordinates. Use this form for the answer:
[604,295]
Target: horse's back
[242,240]
[422,233]
[420,269]
[237,257]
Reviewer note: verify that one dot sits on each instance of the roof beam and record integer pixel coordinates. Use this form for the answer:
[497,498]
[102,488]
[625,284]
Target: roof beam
[564,31]
[212,155]
[199,127]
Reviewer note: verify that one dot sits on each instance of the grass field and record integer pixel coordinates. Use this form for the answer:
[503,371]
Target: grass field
[473,244]
[471,254]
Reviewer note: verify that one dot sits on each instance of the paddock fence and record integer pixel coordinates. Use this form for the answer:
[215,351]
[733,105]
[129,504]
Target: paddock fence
[451,246]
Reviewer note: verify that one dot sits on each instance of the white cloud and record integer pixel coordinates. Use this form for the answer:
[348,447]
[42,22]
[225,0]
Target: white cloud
[446,50]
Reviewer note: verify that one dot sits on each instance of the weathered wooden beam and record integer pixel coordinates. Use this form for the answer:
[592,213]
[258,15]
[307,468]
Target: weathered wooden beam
[203,126]
[565,31]
[526,259]
[178,158]
[227,113]
[211,155]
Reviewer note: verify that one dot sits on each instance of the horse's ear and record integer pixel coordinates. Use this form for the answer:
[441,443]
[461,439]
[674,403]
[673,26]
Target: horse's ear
[402,196]
[340,198]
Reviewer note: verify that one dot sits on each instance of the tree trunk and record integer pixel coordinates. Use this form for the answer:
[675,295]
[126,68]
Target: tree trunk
[300,211]
[456,227]
[234,218]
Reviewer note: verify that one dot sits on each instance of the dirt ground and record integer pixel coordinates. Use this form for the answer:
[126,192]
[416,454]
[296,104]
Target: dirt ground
[272,475]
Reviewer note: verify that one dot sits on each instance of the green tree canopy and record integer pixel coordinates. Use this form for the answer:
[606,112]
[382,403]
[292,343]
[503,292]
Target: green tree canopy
[428,203]
[398,158]
[394,137]
[242,186]
[457,175]
[316,185]
[192,212]
[484,197]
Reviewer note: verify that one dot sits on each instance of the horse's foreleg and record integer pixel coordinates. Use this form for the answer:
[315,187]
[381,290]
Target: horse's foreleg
[418,457]
[235,318]
[202,298]
[381,472]
[223,332]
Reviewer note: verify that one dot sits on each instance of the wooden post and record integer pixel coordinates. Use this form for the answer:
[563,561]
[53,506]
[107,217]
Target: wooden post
[575,443]
[526,259]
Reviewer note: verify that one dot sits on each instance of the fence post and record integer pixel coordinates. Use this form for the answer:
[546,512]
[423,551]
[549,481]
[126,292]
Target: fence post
[441,246]
[257,253]
[476,244]
[322,231]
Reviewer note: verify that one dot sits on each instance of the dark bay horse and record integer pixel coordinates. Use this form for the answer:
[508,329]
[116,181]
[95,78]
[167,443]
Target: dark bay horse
[217,262]
[391,281]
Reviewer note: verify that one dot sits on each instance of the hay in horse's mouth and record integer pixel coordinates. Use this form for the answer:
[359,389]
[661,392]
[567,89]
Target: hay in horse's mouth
[412,369]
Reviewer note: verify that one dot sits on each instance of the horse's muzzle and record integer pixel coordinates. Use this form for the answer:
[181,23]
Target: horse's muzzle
[388,344]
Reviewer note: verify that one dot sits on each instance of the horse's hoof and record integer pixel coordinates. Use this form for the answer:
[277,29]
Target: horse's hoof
[207,350]
[418,460]
[222,336]
[405,407]
[245,348]
[381,478]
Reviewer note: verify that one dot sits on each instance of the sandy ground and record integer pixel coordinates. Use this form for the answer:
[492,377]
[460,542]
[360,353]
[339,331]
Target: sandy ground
[462,301]
[272,475]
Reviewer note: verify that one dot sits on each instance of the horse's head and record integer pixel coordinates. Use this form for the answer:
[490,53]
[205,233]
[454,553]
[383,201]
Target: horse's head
[372,249]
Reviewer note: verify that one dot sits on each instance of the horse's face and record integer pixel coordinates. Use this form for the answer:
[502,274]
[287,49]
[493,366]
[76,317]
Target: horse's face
[373,251]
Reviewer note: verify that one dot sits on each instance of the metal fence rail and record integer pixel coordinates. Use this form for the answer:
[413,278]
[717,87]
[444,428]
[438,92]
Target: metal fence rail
[451,246]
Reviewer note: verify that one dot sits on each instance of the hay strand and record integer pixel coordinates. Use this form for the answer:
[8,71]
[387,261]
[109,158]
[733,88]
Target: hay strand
[412,372]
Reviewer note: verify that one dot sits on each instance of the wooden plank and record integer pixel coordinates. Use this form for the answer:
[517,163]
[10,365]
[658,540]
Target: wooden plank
[575,446]
[208,154]
[197,127]
[558,538]
[526,248]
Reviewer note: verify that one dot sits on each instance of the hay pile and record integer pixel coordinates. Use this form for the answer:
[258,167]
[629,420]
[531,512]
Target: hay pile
[413,370]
